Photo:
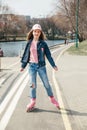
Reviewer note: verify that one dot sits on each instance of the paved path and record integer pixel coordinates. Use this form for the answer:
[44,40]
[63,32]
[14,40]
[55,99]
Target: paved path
[69,87]
[72,79]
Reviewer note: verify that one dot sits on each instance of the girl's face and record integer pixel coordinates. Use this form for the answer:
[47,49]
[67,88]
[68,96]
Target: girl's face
[36,34]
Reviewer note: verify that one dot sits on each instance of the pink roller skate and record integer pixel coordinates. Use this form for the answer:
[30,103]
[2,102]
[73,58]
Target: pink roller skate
[53,100]
[31,105]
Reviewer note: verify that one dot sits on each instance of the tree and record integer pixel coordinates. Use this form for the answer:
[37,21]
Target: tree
[68,9]
[4,10]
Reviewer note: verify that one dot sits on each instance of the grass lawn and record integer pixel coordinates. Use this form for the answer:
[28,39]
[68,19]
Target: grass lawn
[81,50]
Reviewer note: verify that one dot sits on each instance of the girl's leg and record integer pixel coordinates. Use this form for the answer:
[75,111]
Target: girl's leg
[32,81]
[43,75]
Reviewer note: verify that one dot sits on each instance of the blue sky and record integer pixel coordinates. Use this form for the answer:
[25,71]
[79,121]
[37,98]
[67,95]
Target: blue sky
[34,8]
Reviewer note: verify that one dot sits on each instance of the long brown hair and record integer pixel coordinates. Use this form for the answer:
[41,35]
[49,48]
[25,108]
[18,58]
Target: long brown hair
[30,35]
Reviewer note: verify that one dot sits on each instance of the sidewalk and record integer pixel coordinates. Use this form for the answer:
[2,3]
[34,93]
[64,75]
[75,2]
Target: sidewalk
[8,64]
[72,80]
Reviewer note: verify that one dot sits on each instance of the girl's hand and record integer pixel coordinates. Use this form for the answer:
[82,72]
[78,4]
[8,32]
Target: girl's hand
[22,69]
[56,68]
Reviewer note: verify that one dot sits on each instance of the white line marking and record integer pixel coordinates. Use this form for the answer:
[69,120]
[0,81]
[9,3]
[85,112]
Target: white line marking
[2,80]
[5,119]
[63,111]
[11,65]
[11,92]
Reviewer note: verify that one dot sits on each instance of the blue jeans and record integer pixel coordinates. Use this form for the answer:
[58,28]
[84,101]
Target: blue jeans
[33,69]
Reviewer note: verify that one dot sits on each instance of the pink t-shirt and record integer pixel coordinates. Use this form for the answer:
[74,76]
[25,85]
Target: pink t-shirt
[33,53]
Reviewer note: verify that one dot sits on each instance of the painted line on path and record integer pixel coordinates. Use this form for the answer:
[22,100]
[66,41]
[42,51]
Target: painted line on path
[65,118]
[11,65]
[11,92]
[6,117]
[2,80]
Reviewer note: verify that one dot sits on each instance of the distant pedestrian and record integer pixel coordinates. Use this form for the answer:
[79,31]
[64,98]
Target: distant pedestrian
[65,41]
[34,54]
[1,53]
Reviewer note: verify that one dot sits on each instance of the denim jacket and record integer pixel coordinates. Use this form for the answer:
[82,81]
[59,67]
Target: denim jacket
[42,51]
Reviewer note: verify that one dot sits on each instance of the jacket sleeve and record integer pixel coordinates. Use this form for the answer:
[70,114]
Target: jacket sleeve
[48,55]
[25,57]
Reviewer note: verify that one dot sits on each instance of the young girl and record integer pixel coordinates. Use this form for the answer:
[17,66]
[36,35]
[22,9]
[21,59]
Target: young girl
[34,54]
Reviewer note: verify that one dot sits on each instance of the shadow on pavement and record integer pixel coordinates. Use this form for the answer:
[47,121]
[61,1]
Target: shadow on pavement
[62,110]
[43,110]
[72,112]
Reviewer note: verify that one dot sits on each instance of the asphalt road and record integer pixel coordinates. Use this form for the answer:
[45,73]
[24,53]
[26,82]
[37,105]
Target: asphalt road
[14,91]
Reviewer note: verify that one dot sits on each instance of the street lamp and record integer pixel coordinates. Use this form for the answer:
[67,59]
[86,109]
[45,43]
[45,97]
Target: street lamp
[77,12]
